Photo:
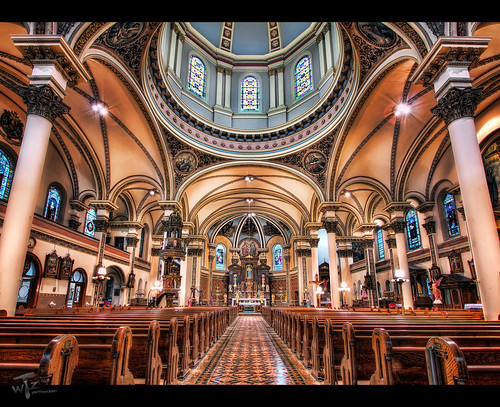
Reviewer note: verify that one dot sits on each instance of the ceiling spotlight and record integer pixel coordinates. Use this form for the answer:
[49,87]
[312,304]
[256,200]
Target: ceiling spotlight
[152,192]
[347,194]
[249,178]
[249,200]
[402,109]
[100,107]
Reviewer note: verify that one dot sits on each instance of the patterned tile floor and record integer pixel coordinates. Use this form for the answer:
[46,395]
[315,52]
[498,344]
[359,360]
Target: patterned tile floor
[250,353]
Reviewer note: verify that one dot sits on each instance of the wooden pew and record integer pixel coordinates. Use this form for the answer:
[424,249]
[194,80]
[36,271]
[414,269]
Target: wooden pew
[447,363]
[408,364]
[144,352]
[48,364]
[191,346]
[105,364]
[422,321]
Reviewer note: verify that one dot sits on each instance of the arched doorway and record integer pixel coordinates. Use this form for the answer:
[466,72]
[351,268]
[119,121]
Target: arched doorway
[28,289]
[76,288]
[112,290]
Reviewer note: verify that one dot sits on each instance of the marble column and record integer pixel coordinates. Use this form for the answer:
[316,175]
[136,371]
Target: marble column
[281,91]
[314,272]
[272,88]
[286,257]
[44,106]
[219,87]
[399,226]
[330,225]
[446,67]
[227,97]
[211,258]
[345,255]
[131,245]
[457,108]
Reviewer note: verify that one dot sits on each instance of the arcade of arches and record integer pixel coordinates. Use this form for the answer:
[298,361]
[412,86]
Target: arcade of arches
[272,159]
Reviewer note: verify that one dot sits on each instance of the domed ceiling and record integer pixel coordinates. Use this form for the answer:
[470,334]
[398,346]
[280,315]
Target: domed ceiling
[256,44]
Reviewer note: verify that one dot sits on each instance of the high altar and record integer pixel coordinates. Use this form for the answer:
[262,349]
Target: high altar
[249,278]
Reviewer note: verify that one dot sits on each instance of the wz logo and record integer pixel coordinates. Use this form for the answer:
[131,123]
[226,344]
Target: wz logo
[28,388]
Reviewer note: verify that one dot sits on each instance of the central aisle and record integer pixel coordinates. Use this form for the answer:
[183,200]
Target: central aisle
[250,353]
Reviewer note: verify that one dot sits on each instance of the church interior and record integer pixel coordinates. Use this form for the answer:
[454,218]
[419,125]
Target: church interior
[255,172]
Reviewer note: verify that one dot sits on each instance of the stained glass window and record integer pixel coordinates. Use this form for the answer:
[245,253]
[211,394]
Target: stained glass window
[220,257]
[250,93]
[53,205]
[451,215]
[278,257]
[303,77]
[197,77]
[6,175]
[412,230]
[380,244]
[89,222]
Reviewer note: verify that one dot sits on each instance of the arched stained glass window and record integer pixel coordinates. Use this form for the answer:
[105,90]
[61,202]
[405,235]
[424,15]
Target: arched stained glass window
[278,257]
[6,175]
[220,257]
[412,230]
[53,205]
[451,215]
[380,244]
[250,94]
[89,222]
[303,77]
[197,76]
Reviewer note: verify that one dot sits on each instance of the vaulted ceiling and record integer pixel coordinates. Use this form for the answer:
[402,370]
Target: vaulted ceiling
[375,154]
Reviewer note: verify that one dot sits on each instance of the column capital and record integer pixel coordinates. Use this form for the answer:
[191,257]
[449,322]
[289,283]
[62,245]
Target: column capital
[330,225]
[43,101]
[430,225]
[457,103]
[398,225]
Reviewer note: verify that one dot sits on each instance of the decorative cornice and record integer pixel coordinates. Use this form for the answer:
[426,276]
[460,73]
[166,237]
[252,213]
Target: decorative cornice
[462,51]
[43,49]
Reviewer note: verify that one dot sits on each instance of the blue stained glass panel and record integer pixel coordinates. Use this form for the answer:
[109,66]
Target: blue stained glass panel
[197,76]
[89,222]
[303,77]
[250,93]
[6,175]
[278,257]
[53,204]
[451,215]
[380,244]
[220,257]
[412,230]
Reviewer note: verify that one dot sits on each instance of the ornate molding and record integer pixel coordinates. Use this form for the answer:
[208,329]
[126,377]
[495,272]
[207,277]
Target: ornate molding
[457,103]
